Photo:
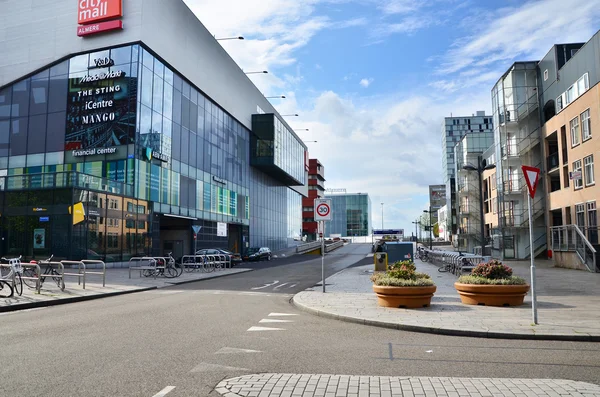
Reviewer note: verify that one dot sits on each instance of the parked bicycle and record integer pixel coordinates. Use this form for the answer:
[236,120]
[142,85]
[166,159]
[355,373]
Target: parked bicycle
[205,263]
[11,282]
[49,271]
[165,267]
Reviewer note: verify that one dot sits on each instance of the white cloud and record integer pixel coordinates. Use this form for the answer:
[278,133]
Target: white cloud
[526,32]
[366,82]
[399,6]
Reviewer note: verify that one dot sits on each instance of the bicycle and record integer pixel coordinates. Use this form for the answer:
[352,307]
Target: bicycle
[49,271]
[171,264]
[6,289]
[13,278]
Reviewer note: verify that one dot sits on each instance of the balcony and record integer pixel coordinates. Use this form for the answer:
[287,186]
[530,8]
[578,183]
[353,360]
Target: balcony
[512,187]
[552,162]
[317,182]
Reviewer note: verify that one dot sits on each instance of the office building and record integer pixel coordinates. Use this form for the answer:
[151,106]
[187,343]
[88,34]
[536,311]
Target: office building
[114,142]
[316,189]
[351,215]
[453,130]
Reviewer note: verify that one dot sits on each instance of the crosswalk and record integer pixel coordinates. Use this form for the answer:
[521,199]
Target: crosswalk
[276,321]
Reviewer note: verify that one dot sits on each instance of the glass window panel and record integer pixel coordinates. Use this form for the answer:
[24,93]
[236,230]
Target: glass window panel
[5,102]
[159,68]
[18,136]
[37,134]
[147,84]
[57,96]
[59,70]
[148,59]
[4,137]
[192,149]
[156,124]
[168,76]
[167,108]
[145,120]
[20,99]
[79,63]
[185,113]
[193,117]
[176,142]
[177,97]
[186,89]
[185,144]
[56,131]
[121,55]
[157,94]
[38,100]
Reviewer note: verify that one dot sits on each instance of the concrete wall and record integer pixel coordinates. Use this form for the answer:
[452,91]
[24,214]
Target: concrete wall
[34,33]
[569,260]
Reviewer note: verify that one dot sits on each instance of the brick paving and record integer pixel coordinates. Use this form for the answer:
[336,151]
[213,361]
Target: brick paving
[568,302]
[314,385]
[117,281]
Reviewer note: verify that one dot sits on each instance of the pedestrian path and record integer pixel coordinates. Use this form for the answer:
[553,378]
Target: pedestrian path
[117,282]
[568,302]
[313,385]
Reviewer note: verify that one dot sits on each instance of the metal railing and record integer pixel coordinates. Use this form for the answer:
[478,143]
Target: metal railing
[333,246]
[570,238]
[454,262]
[97,262]
[80,271]
[539,243]
[143,263]
[302,248]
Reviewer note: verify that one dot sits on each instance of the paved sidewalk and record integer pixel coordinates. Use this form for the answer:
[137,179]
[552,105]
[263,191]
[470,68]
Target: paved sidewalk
[117,282]
[296,385]
[568,306]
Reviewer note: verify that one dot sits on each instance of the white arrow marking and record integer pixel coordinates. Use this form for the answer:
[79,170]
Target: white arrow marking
[251,329]
[266,285]
[281,314]
[272,320]
[207,367]
[279,286]
[234,350]
[164,391]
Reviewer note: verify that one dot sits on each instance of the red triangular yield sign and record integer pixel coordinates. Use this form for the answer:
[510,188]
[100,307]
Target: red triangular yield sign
[532,177]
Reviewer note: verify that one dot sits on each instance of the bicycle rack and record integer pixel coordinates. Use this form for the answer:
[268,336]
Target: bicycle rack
[80,275]
[151,264]
[102,273]
[38,282]
[60,275]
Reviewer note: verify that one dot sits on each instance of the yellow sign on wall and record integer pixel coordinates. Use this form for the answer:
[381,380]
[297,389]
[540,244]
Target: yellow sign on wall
[78,213]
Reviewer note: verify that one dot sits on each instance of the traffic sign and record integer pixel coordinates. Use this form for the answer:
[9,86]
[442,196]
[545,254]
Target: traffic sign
[196,228]
[322,210]
[532,177]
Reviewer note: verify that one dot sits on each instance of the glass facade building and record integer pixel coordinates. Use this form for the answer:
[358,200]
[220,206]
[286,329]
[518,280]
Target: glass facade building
[351,215]
[113,153]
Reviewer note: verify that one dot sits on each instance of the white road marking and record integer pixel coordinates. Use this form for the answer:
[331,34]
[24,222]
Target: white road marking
[207,367]
[234,350]
[164,391]
[292,286]
[272,320]
[266,285]
[281,314]
[279,286]
[251,329]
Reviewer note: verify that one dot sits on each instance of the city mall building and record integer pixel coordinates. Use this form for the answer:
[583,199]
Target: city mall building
[123,123]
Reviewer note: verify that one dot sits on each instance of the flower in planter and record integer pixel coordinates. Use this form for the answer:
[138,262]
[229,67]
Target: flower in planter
[402,274]
[492,273]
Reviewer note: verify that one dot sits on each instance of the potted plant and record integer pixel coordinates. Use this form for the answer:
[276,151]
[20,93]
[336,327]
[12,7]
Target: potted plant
[492,284]
[402,286]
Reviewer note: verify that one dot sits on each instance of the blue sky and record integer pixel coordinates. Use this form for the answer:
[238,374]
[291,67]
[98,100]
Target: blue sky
[372,80]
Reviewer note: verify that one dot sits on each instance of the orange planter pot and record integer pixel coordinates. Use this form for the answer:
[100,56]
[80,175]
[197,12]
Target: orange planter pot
[492,295]
[404,297]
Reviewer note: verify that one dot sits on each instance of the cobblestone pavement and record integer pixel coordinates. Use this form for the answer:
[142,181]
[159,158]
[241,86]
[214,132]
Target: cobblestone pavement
[296,385]
[117,281]
[568,302]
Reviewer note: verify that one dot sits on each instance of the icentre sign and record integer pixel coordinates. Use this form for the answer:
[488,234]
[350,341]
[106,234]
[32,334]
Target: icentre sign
[91,11]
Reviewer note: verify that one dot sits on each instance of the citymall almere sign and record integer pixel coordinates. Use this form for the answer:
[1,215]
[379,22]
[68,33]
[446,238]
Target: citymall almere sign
[97,16]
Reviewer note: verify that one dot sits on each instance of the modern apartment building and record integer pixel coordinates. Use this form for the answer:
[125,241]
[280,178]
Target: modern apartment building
[118,136]
[571,136]
[467,152]
[316,189]
[453,130]
[351,215]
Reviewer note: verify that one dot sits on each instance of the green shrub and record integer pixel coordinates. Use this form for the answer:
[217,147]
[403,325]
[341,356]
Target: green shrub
[402,273]
[511,280]
[493,270]
[422,275]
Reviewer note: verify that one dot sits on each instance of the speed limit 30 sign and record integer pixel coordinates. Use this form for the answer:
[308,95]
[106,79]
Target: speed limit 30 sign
[322,209]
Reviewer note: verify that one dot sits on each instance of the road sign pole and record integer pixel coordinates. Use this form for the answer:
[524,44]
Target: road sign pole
[531,250]
[323,255]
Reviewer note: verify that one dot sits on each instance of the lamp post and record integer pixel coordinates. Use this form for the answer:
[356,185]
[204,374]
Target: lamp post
[430,229]
[416,230]
[302,129]
[257,72]
[278,97]
[381,216]
[290,115]
[481,166]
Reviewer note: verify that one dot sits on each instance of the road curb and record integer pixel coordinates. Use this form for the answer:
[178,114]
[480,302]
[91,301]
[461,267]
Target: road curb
[443,331]
[75,299]
[64,301]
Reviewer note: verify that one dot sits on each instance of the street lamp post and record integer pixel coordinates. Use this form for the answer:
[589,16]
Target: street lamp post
[381,216]
[230,38]
[481,166]
[430,229]
[278,97]
[257,72]
[290,115]
[416,230]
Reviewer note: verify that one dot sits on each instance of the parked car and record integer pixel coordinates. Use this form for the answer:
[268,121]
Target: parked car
[234,258]
[258,254]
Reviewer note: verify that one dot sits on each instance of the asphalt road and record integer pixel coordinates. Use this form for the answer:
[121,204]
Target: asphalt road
[194,335]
